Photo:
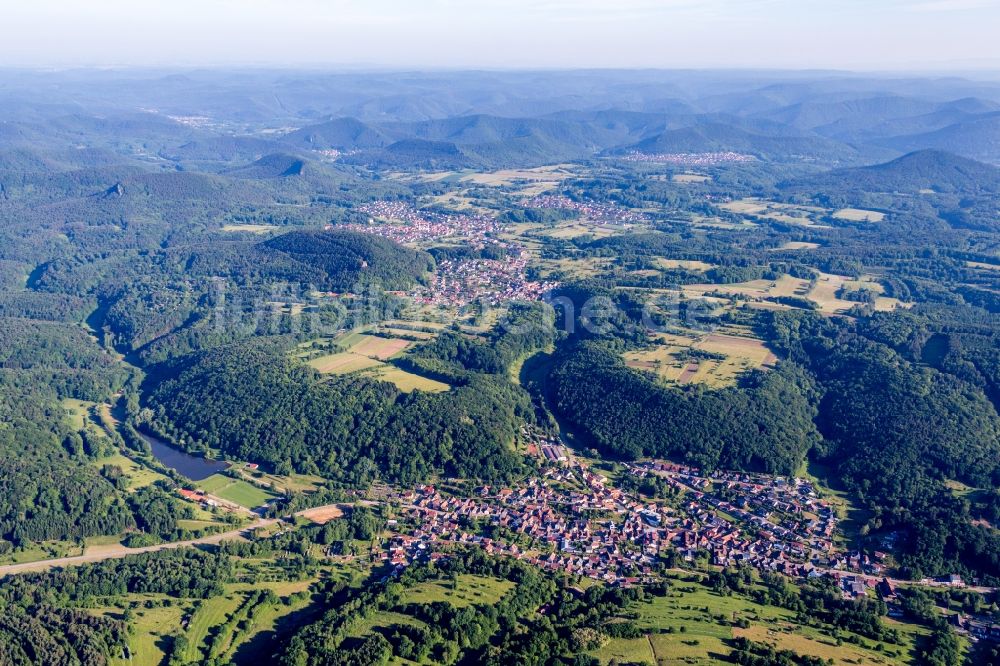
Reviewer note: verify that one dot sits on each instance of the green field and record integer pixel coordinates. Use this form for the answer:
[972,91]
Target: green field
[79,412]
[693,624]
[139,475]
[236,491]
[466,591]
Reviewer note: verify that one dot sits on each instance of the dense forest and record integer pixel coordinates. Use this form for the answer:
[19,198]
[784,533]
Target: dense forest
[765,424]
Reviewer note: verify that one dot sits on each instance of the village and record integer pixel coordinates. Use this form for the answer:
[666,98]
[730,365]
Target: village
[691,159]
[572,519]
[497,281]
[403,223]
[592,211]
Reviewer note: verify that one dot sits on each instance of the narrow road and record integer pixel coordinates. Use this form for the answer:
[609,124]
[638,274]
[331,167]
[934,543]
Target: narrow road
[117,551]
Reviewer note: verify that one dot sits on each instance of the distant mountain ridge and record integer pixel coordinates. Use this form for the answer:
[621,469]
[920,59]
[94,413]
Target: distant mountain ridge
[914,175]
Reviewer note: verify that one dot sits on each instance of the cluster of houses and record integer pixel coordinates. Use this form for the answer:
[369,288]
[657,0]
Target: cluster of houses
[690,159]
[494,281]
[574,520]
[401,222]
[604,213]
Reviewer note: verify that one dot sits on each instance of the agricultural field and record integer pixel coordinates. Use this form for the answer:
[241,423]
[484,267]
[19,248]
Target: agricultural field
[408,382]
[688,178]
[713,359]
[378,347]
[777,212]
[343,363]
[798,245]
[531,182]
[823,292]
[573,268]
[858,215]
[577,229]
[250,228]
[753,289]
[686,264]
[827,286]
[236,491]
[369,353]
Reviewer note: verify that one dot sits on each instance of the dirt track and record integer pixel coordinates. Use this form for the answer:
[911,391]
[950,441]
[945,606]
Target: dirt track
[114,551]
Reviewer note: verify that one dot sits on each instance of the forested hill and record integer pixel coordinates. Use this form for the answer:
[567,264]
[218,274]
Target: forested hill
[924,171]
[764,425]
[346,258]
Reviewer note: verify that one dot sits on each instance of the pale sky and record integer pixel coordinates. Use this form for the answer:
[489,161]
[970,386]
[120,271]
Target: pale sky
[791,34]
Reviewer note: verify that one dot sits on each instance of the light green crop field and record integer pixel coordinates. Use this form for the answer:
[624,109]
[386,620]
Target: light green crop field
[409,382]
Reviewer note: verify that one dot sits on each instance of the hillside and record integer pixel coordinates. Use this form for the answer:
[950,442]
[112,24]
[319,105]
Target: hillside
[349,259]
[340,133]
[925,170]
[714,136]
[977,138]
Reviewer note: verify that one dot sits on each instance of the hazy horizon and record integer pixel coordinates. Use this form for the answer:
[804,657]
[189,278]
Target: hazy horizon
[881,36]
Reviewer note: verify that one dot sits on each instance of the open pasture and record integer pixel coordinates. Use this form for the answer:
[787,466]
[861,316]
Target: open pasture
[468,589]
[79,412]
[858,215]
[785,636]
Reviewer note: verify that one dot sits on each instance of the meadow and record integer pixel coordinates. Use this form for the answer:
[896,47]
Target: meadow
[726,357]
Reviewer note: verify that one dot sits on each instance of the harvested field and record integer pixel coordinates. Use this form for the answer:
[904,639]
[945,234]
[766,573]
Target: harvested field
[409,382]
[859,215]
[378,347]
[323,514]
[249,228]
[342,363]
[686,264]
[690,178]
